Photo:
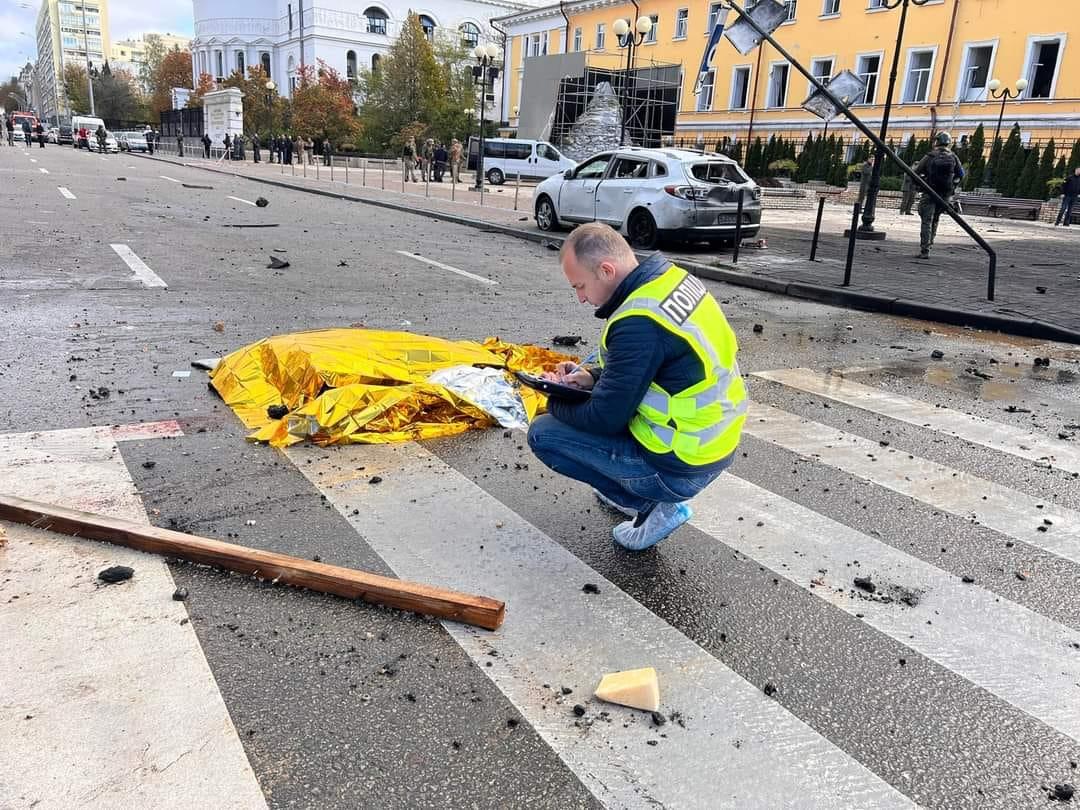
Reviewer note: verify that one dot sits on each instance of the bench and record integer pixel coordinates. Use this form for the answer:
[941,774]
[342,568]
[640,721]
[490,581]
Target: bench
[995,206]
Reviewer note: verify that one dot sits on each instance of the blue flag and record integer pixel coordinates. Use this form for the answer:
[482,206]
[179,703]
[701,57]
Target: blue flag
[710,47]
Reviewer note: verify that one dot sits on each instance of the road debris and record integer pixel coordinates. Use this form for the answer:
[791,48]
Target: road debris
[276,263]
[348,583]
[219,326]
[864,584]
[769,689]
[1062,793]
[566,340]
[758,328]
[937,354]
[117,573]
[277,411]
[180,594]
[196,185]
[636,688]
[261,202]
[590,587]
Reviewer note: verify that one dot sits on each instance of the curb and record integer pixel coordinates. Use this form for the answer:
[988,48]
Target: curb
[866,302]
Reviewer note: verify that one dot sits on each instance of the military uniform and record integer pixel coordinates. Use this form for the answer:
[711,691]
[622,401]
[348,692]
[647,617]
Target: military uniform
[929,209]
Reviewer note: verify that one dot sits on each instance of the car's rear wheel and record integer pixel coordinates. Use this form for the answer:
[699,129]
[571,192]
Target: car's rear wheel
[546,218]
[641,231]
[496,177]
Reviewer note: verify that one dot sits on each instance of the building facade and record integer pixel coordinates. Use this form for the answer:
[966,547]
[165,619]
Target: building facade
[349,37]
[130,54]
[951,51]
[68,32]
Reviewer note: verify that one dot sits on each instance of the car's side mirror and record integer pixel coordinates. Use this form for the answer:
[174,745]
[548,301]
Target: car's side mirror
[568,174]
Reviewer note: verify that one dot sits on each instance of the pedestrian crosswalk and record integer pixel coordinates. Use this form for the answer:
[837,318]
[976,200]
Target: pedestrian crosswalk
[744,748]
[807,659]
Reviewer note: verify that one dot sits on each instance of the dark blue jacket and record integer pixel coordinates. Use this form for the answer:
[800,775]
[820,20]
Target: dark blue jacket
[639,351]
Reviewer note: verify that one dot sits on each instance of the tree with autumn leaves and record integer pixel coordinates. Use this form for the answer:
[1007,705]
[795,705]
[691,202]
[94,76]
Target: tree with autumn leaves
[323,107]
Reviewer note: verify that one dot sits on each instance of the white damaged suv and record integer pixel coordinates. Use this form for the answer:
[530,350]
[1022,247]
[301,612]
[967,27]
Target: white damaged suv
[652,194]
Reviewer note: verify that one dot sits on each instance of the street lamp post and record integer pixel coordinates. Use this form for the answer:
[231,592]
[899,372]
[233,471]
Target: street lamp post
[629,39]
[270,87]
[1004,95]
[485,72]
[866,230]
[86,47]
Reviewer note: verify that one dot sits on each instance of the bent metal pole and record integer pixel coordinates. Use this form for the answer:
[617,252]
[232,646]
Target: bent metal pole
[865,130]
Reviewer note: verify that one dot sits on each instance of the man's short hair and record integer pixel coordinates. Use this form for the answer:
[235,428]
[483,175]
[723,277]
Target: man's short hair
[593,243]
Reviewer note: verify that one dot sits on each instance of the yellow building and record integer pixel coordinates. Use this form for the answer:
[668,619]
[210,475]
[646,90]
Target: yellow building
[130,54]
[951,51]
[68,32]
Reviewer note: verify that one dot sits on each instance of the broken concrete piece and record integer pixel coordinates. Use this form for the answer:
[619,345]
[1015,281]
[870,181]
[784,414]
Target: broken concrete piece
[277,264]
[117,573]
[262,202]
[636,688]
[277,411]
[937,354]
[180,594]
[566,340]
[864,584]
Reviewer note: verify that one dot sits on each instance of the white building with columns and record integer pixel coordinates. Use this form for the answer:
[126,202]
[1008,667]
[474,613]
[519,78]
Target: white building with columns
[349,36]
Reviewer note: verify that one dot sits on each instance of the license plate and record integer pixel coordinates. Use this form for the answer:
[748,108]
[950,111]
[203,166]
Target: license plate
[725,219]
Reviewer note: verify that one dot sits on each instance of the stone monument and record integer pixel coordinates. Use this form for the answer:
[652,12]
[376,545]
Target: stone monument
[223,114]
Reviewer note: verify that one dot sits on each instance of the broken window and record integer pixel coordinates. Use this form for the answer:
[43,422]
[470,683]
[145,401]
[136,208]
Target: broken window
[1042,71]
[976,73]
[821,69]
[917,87]
[869,68]
[778,81]
[704,99]
[740,88]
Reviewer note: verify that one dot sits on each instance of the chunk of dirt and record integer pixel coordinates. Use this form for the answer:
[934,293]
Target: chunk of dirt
[117,573]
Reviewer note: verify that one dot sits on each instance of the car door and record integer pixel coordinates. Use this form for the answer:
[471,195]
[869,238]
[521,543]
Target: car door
[546,161]
[613,196]
[577,198]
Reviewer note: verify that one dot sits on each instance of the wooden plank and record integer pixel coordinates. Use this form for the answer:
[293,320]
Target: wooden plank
[349,583]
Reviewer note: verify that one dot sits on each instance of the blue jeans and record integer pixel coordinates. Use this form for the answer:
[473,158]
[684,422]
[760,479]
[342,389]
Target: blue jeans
[1065,212]
[615,465]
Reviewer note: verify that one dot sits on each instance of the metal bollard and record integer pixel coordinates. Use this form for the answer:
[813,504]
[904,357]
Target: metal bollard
[738,229]
[453,188]
[517,188]
[305,166]
[331,170]
[347,161]
[427,187]
[817,228]
[384,176]
[856,210]
[316,168]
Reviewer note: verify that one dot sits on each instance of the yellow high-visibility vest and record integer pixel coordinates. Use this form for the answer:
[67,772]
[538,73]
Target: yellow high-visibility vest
[702,423]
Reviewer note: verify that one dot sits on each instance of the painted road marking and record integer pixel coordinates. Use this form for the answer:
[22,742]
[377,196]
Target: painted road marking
[239,199]
[67,194]
[1027,664]
[142,272]
[122,698]
[975,429]
[442,266]
[43,170]
[1000,508]
[170,179]
[553,634]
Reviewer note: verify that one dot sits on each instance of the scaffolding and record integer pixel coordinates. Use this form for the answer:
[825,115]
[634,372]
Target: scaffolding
[648,95]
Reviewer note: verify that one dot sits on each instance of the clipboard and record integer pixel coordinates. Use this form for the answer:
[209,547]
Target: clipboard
[554,389]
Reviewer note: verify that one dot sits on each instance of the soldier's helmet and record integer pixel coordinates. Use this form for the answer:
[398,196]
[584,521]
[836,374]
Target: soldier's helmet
[943,139]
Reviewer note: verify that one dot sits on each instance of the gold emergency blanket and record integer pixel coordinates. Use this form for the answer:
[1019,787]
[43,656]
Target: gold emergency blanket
[345,386]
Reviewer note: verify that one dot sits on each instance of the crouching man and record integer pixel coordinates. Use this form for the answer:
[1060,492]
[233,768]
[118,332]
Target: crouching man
[668,402]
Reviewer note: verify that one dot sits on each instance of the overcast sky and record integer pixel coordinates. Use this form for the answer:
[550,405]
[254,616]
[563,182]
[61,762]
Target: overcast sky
[127,18]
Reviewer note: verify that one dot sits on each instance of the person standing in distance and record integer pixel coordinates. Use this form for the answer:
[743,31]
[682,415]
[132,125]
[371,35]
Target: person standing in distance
[668,402]
[942,171]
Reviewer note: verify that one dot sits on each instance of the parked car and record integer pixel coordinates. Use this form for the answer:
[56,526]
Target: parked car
[90,124]
[653,194]
[64,134]
[52,135]
[505,158]
[132,141]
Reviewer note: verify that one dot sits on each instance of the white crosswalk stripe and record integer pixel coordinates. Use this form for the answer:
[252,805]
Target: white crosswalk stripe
[555,635]
[1036,521]
[985,432]
[1025,666]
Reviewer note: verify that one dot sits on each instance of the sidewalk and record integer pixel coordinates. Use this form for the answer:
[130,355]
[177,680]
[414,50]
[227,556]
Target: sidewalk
[886,277]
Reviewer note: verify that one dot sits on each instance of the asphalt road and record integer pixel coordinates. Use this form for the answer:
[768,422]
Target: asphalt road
[965,698]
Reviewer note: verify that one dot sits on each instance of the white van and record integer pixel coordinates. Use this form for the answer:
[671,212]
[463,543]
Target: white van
[505,158]
[90,123]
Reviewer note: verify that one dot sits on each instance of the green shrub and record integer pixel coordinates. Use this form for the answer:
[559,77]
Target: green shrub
[784,167]
[1053,186]
[853,171]
[891,184]
[347,147]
